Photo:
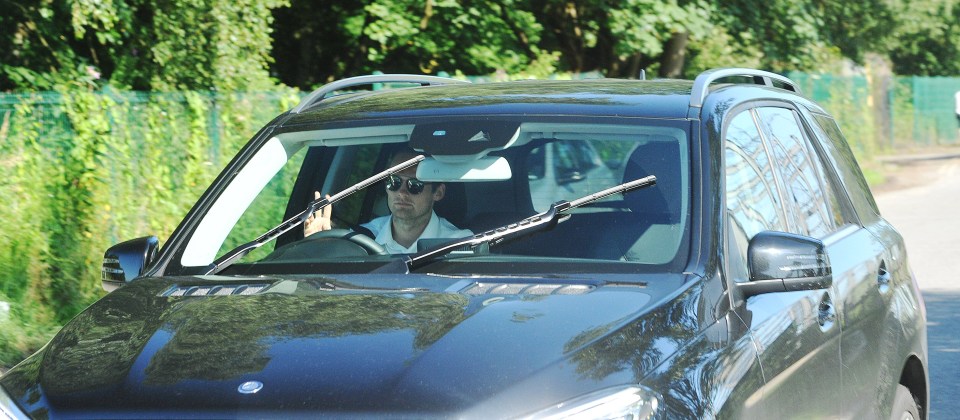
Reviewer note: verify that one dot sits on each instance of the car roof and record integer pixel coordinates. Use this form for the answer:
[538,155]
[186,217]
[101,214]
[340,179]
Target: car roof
[664,98]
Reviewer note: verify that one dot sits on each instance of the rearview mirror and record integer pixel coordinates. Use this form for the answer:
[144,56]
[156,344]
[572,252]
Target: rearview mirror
[784,262]
[126,261]
[488,168]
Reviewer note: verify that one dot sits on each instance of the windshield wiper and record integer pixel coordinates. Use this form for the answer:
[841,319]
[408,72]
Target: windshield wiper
[235,254]
[540,222]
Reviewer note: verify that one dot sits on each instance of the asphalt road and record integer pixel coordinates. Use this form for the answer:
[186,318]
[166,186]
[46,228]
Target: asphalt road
[923,205]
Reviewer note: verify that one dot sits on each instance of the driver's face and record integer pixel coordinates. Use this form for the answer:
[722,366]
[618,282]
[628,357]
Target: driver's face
[407,206]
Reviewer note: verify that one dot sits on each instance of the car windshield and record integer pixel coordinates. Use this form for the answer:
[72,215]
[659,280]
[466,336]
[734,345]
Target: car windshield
[475,177]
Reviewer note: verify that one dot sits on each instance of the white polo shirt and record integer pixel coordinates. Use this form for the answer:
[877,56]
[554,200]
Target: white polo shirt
[436,228]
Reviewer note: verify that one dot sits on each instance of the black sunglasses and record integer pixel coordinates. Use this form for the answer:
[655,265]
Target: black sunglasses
[414,186]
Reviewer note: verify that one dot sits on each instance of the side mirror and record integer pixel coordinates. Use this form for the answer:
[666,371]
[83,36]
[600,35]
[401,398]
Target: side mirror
[126,261]
[784,262]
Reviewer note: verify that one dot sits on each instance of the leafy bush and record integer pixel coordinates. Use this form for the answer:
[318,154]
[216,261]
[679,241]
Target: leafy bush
[89,169]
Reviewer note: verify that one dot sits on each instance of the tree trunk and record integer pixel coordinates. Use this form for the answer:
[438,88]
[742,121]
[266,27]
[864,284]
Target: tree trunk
[674,55]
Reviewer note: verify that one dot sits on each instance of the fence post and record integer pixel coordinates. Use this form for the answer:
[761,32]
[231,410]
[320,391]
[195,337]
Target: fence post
[214,127]
[914,86]
[377,86]
[891,113]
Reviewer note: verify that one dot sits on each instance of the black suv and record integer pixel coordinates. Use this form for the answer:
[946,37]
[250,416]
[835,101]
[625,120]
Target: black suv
[599,249]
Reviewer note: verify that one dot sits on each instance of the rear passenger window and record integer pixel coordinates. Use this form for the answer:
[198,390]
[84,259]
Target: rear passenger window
[812,204]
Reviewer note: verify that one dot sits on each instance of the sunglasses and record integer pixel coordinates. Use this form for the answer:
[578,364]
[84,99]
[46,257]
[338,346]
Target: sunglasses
[414,186]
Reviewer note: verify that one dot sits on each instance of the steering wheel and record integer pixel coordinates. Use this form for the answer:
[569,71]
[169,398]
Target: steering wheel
[329,243]
[364,241]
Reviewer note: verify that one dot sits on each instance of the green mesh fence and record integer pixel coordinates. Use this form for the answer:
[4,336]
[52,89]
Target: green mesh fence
[935,118]
[879,114]
[888,114]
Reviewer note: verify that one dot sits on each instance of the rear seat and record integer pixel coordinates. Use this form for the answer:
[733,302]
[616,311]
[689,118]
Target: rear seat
[644,227]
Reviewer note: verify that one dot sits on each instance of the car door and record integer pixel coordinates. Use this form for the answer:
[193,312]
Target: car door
[797,341]
[862,267]
[822,210]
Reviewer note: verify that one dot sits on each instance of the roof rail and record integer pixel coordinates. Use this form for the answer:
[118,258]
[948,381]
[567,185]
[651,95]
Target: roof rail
[702,84]
[322,92]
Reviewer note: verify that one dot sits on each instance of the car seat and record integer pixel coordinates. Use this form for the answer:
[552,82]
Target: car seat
[655,211]
[642,227]
[659,203]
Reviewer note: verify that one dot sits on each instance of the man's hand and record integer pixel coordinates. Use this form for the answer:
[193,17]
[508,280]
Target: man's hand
[319,220]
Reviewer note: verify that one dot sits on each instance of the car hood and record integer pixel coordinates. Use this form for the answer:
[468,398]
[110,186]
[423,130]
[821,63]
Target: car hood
[318,344]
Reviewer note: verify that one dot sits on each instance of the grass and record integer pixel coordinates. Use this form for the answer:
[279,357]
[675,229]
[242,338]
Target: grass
[875,177]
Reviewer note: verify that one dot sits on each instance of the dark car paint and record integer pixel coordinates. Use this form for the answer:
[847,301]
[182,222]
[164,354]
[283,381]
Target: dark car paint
[600,98]
[866,314]
[371,349]
[708,349]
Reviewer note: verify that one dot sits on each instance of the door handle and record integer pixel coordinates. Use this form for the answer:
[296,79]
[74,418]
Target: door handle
[826,313]
[883,277]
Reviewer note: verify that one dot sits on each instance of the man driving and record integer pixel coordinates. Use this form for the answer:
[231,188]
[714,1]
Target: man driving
[411,215]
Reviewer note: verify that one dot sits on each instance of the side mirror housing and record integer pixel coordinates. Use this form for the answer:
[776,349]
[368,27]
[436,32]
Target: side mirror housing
[126,261]
[784,262]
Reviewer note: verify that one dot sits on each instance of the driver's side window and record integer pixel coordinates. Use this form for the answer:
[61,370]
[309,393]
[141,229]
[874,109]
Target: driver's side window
[752,194]
[352,165]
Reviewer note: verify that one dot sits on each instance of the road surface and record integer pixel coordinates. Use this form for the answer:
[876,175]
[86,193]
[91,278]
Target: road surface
[924,205]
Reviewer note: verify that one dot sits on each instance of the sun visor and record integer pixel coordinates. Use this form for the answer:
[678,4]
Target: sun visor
[457,141]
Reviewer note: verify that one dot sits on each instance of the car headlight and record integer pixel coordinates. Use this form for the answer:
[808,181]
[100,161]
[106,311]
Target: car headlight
[9,409]
[632,402]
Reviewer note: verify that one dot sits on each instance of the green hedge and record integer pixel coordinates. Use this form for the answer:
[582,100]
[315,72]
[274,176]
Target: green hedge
[84,170]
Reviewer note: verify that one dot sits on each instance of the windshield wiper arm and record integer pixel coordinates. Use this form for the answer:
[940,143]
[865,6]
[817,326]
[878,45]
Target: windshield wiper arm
[543,221]
[235,254]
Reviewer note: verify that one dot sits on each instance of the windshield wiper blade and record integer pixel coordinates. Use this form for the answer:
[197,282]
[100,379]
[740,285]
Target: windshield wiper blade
[235,254]
[542,221]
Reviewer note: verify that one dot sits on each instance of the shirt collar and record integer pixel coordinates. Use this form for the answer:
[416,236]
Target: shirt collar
[385,236]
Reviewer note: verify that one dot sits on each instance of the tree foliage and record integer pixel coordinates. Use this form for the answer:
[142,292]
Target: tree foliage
[928,39]
[318,42]
[249,44]
[137,44]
